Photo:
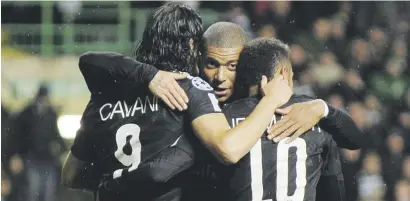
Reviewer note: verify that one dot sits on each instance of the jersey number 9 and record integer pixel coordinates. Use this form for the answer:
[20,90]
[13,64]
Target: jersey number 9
[128,150]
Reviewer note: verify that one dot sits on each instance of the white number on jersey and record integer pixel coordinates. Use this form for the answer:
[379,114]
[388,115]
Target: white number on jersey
[128,140]
[282,171]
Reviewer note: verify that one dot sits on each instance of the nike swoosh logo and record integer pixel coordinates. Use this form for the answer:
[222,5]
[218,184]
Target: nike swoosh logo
[176,142]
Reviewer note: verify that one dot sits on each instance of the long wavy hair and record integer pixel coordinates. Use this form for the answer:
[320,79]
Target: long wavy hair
[166,39]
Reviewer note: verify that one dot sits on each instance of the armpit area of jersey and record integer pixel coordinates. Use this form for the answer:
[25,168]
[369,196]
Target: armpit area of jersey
[160,169]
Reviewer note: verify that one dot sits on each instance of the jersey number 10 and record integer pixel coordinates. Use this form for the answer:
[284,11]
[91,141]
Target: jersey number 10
[282,168]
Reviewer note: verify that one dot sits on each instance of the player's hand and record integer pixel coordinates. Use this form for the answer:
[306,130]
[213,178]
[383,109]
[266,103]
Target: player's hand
[278,88]
[299,118]
[165,86]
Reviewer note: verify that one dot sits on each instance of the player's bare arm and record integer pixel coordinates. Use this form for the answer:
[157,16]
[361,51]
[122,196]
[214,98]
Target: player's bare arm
[230,145]
[109,66]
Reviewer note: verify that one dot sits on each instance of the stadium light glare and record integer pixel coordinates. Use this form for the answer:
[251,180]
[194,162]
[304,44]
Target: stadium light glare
[68,125]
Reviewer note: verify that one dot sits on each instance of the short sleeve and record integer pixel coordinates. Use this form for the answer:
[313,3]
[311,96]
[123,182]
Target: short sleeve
[202,99]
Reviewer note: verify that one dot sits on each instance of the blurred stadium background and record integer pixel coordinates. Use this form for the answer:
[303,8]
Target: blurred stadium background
[352,54]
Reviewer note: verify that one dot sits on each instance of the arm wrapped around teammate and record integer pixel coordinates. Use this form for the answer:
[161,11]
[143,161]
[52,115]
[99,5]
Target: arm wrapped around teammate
[301,117]
[344,130]
[110,71]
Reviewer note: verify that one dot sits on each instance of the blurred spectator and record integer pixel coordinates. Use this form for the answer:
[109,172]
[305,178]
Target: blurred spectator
[370,181]
[17,177]
[404,121]
[406,168]
[277,13]
[402,191]
[5,136]
[238,16]
[5,186]
[352,87]
[336,100]
[358,113]
[327,71]
[374,114]
[337,41]
[344,12]
[267,31]
[359,57]
[390,86]
[39,137]
[350,166]
[305,84]
[298,59]
[12,163]
[406,104]
[400,55]
[317,40]
[404,126]
[378,42]
[392,162]
[399,49]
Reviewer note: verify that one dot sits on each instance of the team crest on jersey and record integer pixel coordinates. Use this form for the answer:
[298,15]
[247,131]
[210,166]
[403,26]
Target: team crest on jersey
[201,84]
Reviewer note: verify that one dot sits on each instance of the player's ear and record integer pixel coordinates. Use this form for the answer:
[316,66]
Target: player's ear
[281,70]
[285,71]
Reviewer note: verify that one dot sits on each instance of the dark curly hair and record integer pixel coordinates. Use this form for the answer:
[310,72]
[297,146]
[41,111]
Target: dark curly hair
[166,39]
[259,57]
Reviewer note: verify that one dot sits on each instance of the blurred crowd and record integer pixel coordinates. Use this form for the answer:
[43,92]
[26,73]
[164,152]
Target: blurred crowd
[357,59]
[352,54]
[31,150]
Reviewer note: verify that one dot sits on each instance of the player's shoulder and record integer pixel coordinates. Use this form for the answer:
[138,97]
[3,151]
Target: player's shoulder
[298,99]
[193,84]
[248,101]
[98,57]
[241,106]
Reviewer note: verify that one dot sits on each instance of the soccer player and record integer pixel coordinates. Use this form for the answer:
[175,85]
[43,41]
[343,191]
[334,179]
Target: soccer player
[275,171]
[126,130]
[224,43]
[113,71]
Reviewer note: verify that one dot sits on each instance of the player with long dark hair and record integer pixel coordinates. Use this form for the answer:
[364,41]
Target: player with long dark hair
[171,39]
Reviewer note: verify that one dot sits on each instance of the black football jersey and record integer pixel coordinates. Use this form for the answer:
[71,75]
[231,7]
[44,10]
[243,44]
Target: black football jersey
[278,171]
[124,125]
